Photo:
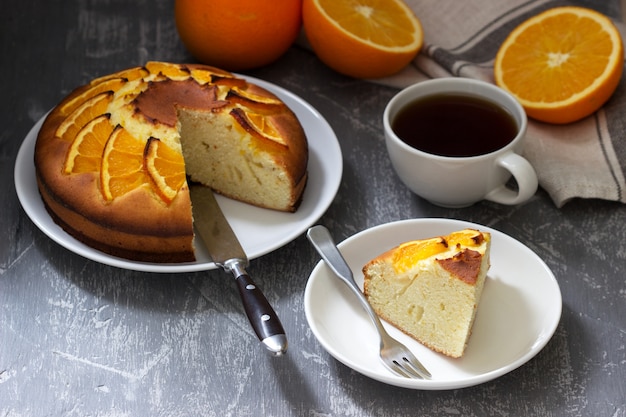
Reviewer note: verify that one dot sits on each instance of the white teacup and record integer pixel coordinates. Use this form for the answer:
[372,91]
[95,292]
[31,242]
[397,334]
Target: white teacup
[459,181]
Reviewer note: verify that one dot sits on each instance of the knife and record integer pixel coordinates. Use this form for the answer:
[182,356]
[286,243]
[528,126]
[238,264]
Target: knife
[227,253]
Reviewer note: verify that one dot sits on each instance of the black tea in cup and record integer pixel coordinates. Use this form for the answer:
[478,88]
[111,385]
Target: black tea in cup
[455,125]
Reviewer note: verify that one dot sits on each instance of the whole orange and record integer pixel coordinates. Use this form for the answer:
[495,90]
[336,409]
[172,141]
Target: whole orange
[238,34]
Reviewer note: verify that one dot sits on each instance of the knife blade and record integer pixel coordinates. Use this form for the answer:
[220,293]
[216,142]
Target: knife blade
[226,251]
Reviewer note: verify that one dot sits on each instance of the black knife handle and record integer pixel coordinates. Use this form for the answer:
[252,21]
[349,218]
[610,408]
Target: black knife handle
[262,316]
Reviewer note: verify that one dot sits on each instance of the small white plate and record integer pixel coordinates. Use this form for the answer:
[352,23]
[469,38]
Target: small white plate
[260,231]
[518,313]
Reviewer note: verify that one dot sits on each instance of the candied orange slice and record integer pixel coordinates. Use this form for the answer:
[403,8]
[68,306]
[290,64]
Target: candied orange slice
[83,114]
[165,167]
[253,102]
[85,153]
[203,76]
[258,124]
[129,74]
[122,168]
[256,98]
[409,253]
[262,125]
[466,237]
[113,84]
[172,71]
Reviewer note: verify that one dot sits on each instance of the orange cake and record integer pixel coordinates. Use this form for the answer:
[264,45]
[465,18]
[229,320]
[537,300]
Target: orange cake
[430,289]
[113,158]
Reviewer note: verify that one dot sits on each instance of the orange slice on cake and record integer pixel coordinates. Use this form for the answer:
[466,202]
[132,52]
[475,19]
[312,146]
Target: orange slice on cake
[410,253]
[257,124]
[165,167]
[122,165]
[129,74]
[85,153]
[171,71]
[83,114]
[112,84]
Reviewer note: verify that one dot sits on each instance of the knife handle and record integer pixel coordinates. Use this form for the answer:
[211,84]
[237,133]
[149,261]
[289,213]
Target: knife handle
[262,316]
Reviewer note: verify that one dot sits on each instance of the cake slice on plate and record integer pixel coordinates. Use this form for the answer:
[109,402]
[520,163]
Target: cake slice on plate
[430,289]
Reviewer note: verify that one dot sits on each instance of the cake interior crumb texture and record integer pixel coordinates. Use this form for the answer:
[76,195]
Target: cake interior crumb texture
[230,163]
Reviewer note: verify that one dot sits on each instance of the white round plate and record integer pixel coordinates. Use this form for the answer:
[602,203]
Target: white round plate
[260,231]
[518,313]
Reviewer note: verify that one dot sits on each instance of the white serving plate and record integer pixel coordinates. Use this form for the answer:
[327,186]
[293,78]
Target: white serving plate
[260,231]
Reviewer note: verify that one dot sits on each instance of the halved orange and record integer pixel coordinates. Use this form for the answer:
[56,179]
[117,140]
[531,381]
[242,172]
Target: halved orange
[362,38]
[562,64]
[85,153]
[122,168]
[166,169]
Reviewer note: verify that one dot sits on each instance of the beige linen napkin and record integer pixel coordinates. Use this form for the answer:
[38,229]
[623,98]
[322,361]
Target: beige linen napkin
[585,159]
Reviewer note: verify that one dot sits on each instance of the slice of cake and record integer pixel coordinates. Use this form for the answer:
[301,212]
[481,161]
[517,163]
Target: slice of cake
[430,289]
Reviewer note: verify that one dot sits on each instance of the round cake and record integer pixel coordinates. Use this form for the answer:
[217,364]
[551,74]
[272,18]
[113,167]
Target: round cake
[114,157]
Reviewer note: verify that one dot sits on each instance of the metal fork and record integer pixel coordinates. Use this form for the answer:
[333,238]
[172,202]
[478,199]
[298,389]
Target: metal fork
[397,357]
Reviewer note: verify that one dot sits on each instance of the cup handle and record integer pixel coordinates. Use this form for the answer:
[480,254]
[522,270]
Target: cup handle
[525,176]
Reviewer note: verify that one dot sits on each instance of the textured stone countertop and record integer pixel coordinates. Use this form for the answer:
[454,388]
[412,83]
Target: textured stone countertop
[79,338]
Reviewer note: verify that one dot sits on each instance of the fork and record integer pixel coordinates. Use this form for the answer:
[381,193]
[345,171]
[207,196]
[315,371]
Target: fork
[394,355]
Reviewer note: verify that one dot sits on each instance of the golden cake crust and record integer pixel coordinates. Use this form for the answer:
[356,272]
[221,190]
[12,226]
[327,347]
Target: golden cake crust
[143,224]
[75,202]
